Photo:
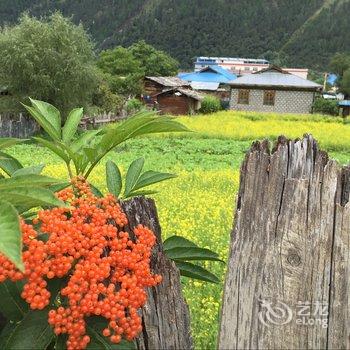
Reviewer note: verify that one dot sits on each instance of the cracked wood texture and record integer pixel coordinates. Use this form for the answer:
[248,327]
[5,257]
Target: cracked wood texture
[290,244]
[165,317]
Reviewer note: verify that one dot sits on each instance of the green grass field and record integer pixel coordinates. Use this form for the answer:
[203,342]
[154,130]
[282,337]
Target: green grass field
[199,203]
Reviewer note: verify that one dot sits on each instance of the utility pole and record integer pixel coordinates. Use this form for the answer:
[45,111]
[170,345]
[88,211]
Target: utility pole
[325,81]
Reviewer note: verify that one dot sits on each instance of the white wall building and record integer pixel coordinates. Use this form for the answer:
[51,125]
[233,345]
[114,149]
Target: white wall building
[242,66]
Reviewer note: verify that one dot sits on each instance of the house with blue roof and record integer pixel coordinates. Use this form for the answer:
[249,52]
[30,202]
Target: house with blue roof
[214,80]
[345,107]
[213,76]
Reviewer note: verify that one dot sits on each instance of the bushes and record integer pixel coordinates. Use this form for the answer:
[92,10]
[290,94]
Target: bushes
[105,100]
[210,104]
[323,106]
[133,105]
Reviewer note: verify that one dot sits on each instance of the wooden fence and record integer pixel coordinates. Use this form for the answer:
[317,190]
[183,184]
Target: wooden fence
[165,317]
[288,283]
[95,121]
[17,125]
[22,126]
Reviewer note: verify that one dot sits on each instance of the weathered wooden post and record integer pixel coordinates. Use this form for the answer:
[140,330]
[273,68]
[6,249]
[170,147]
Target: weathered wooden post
[288,283]
[165,317]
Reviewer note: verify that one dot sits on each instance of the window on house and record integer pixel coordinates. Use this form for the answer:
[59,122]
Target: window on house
[243,97]
[246,68]
[269,97]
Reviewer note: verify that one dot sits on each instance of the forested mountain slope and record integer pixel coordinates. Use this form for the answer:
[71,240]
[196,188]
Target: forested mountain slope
[301,33]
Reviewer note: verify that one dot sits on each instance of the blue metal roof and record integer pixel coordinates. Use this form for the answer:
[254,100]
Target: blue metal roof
[332,78]
[213,74]
[344,103]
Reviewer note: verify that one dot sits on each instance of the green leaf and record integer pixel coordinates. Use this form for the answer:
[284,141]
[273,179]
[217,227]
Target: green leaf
[27,215]
[151,177]
[54,285]
[100,342]
[9,164]
[133,175]
[177,241]
[30,180]
[76,157]
[30,197]
[124,130]
[84,140]
[6,332]
[58,187]
[44,122]
[191,253]
[50,112]
[36,169]
[80,162]
[12,306]
[160,125]
[61,341]
[32,333]
[139,193]
[196,272]
[71,125]
[113,178]
[90,153]
[96,192]
[8,142]
[52,147]
[141,124]
[10,233]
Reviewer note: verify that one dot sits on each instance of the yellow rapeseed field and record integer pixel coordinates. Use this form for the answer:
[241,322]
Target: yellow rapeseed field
[332,132]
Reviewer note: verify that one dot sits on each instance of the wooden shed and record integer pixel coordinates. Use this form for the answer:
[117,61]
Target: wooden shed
[155,85]
[344,107]
[178,101]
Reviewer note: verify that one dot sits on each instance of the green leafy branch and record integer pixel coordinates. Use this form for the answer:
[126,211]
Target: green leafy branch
[182,250]
[135,180]
[84,152]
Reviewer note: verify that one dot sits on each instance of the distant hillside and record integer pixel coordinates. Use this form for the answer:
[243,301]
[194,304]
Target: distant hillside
[298,32]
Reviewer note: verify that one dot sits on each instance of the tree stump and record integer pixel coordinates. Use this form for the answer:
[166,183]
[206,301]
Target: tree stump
[288,283]
[165,317]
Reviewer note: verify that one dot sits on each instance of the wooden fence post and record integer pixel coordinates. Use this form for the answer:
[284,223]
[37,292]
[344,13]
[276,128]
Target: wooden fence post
[165,317]
[288,282]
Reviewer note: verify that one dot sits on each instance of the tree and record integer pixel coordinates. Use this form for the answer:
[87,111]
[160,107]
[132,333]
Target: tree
[340,65]
[122,71]
[50,59]
[118,61]
[126,67]
[345,83]
[154,62]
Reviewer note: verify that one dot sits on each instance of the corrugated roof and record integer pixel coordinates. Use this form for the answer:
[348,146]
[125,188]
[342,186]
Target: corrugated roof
[190,93]
[344,103]
[213,74]
[275,77]
[169,81]
[222,71]
[204,85]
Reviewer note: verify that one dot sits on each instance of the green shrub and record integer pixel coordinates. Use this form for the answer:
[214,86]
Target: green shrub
[210,104]
[134,105]
[323,106]
[104,100]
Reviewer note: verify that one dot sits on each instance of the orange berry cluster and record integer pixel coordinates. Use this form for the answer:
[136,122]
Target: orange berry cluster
[107,269]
